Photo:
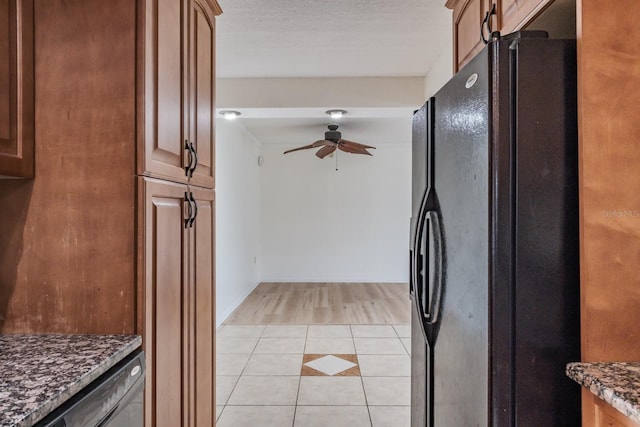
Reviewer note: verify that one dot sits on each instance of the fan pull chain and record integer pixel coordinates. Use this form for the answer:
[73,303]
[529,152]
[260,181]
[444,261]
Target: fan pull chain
[336,159]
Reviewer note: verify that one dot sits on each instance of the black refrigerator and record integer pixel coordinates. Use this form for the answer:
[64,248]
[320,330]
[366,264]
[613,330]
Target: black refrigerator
[494,241]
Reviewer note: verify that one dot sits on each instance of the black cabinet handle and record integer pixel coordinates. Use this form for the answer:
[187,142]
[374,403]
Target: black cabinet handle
[189,219]
[195,209]
[195,160]
[487,22]
[189,148]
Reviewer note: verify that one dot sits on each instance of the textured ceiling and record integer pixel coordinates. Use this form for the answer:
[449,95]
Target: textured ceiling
[326,39]
[330,38]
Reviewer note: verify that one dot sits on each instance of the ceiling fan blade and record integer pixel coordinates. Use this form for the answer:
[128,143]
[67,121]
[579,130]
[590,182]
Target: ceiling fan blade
[353,144]
[326,142]
[326,150]
[299,148]
[318,143]
[354,150]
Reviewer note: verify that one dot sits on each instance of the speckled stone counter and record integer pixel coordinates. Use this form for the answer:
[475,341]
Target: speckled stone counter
[38,373]
[616,383]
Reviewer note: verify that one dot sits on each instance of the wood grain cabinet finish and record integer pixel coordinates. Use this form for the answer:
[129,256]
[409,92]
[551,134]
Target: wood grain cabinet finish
[608,129]
[16,89]
[92,244]
[468,17]
[202,90]
[598,413]
[179,91]
[179,303]
[514,14]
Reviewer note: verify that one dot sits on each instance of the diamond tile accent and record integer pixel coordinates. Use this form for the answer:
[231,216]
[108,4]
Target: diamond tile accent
[330,365]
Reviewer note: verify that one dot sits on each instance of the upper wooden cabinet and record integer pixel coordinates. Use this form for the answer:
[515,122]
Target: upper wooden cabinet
[202,90]
[470,22]
[16,89]
[179,91]
[468,17]
[514,14]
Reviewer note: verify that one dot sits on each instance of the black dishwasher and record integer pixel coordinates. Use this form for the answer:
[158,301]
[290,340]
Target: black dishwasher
[115,399]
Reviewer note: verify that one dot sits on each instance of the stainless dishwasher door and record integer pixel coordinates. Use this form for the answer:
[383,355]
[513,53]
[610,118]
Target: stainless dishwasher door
[115,399]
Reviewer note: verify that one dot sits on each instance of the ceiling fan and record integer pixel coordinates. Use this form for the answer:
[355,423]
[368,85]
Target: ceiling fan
[332,140]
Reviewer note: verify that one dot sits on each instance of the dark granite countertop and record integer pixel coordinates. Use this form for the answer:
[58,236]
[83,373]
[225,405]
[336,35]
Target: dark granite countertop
[38,373]
[616,383]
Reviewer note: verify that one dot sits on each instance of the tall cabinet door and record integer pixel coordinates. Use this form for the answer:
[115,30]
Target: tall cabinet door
[163,289]
[165,155]
[16,88]
[202,90]
[202,318]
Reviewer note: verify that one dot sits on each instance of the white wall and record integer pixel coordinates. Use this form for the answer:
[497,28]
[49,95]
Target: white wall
[440,72]
[237,216]
[323,225]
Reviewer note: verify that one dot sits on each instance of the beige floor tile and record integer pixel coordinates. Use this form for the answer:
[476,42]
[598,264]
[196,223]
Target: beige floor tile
[403,331]
[240,331]
[285,331]
[379,346]
[274,364]
[373,331]
[280,346]
[331,391]
[224,387]
[229,345]
[265,390]
[219,411]
[390,416]
[385,365]
[231,364]
[252,416]
[394,391]
[332,416]
[329,331]
[329,345]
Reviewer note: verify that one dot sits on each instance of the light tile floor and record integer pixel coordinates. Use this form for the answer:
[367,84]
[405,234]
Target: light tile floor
[259,378]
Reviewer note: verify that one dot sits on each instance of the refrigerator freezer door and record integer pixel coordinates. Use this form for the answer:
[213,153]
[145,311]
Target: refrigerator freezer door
[460,352]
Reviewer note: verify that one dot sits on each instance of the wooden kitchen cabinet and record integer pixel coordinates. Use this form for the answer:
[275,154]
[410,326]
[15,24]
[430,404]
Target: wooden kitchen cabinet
[515,14]
[16,89]
[468,16]
[202,90]
[608,52]
[96,242]
[202,310]
[598,413]
[179,303]
[506,16]
[179,91]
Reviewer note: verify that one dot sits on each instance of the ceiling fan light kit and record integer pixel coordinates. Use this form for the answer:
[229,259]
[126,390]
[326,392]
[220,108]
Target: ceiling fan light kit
[230,114]
[336,114]
[332,141]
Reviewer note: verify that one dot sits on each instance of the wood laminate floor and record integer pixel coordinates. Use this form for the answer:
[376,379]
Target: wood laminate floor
[325,303]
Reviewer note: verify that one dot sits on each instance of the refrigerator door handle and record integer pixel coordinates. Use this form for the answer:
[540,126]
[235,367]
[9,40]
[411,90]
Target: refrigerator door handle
[435,264]
[416,261]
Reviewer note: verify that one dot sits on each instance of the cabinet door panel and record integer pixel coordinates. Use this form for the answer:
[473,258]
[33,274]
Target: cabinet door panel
[203,290]
[516,13]
[467,20]
[16,88]
[202,83]
[165,104]
[164,290]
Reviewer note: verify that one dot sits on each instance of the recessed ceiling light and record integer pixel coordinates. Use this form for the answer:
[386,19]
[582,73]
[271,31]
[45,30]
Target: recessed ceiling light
[230,114]
[336,114]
